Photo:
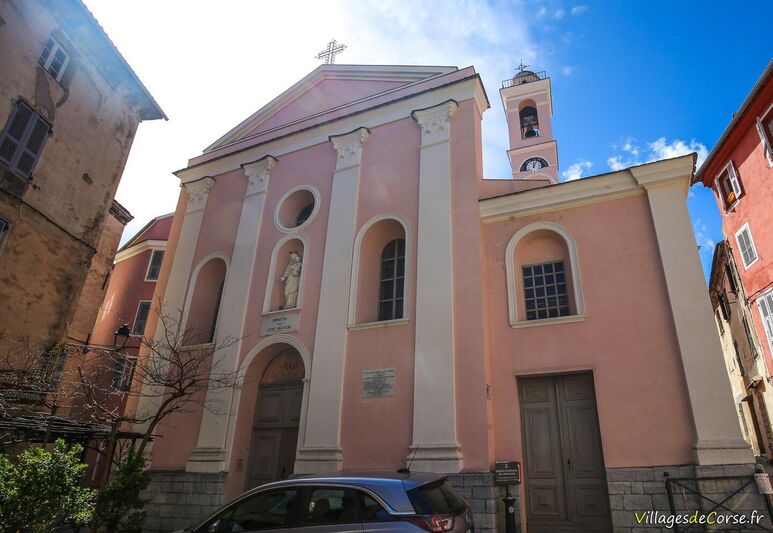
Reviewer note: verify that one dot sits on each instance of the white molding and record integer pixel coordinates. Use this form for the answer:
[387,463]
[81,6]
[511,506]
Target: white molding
[198,192]
[293,141]
[547,321]
[280,338]
[435,122]
[317,200]
[377,324]
[513,287]
[192,287]
[257,174]
[266,309]
[137,249]
[352,318]
[348,147]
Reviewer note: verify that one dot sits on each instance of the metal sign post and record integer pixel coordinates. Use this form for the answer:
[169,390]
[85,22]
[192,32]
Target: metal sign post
[508,473]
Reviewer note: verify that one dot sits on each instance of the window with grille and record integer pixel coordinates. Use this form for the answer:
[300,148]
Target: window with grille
[544,289]
[746,245]
[123,372]
[23,139]
[141,318]
[154,266]
[54,59]
[390,303]
[765,305]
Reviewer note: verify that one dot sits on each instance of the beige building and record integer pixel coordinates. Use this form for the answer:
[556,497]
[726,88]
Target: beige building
[749,379]
[70,105]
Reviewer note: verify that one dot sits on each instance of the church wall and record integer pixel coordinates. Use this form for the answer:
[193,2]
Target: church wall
[470,377]
[626,339]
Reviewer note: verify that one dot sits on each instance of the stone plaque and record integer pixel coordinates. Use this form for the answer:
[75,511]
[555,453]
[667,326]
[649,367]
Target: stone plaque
[378,383]
[271,325]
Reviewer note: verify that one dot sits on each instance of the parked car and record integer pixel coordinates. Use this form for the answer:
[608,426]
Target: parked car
[346,503]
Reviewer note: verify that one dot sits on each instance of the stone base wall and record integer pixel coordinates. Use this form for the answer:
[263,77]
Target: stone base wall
[485,499]
[177,500]
[638,490]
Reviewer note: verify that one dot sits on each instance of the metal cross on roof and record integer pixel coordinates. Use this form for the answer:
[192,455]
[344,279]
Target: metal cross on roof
[329,53]
[521,67]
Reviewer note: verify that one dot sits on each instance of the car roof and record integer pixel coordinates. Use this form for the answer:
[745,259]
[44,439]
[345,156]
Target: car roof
[390,487]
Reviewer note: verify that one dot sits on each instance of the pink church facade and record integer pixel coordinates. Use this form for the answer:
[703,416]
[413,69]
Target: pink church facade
[440,319]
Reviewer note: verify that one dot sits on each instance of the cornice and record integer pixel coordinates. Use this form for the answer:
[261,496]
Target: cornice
[138,249]
[348,147]
[198,192]
[435,122]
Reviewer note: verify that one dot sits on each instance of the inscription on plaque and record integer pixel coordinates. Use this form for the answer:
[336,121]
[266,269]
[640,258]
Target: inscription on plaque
[272,325]
[378,383]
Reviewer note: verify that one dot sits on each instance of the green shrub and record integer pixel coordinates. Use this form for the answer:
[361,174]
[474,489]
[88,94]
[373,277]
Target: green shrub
[40,490]
[119,506]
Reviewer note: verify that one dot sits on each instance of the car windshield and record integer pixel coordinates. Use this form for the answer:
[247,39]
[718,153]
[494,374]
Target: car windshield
[437,497]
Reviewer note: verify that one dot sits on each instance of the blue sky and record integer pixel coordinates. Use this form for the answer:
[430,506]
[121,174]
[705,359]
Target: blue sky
[632,81]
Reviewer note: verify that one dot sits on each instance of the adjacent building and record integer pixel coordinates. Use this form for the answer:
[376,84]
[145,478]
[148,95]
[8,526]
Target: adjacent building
[393,307]
[739,172]
[70,105]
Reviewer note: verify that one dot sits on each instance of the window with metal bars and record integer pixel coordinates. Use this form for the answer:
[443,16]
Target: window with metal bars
[23,139]
[544,289]
[390,301]
[54,59]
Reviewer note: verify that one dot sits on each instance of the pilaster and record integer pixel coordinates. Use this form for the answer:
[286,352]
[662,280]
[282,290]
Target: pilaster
[435,448]
[719,439]
[213,448]
[321,450]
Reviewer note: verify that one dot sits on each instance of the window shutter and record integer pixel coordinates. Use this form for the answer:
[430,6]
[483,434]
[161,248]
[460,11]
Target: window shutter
[46,52]
[749,337]
[23,139]
[733,176]
[765,303]
[33,147]
[748,253]
[14,133]
[765,139]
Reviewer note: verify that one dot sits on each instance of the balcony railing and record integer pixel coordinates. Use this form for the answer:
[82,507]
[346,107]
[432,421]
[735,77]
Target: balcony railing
[526,78]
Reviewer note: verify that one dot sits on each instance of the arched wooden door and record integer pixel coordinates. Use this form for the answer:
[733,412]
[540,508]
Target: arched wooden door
[277,416]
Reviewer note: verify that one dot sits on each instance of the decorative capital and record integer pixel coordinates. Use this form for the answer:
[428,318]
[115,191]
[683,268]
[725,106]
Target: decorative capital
[198,192]
[257,174]
[348,147]
[435,122]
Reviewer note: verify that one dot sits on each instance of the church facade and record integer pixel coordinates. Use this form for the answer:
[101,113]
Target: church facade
[394,308]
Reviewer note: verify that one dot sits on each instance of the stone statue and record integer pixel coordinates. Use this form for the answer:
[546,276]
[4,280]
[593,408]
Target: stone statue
[291,279]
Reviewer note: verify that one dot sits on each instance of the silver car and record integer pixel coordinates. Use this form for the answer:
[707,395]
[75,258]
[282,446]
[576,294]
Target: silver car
[346,503]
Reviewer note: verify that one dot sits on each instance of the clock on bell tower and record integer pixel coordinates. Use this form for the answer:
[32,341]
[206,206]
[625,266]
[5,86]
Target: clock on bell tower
[528,106]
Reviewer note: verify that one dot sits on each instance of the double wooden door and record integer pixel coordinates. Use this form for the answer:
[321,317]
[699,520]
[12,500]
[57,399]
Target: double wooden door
[565,480]
[274,433]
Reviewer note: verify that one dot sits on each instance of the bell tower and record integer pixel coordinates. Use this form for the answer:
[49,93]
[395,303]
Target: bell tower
[528,106]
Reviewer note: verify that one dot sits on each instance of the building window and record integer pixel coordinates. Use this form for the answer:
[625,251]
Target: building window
[123,372]
[141,318]
[724,305]
[392,280]
[23,139]
[738,362]
[729,186]
[765,304]
[746,245]
[54,59]
[750,337]
[731,278]
[765,129]
[154,266]
[544,289]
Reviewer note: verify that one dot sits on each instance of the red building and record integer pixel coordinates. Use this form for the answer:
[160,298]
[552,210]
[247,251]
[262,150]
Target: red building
[740,172]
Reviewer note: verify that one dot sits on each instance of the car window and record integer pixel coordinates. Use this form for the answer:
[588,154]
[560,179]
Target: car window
[372,510]
[263,511]
[330,505]
[438,497]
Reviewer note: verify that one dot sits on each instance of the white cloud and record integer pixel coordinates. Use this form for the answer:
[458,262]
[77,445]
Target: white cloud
[656,150]
[576,170]
[576,10]
[705,243]
[389,32]
[567,71]
[559,14]
[542,12]
[664,150]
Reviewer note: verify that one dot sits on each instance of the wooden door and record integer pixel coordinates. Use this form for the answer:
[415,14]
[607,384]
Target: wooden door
[565,481]
[274,434]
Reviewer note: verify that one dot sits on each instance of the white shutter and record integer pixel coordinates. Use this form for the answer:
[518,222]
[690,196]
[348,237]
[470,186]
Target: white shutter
[733,177]
[746,245]
[765,303]
[764,137]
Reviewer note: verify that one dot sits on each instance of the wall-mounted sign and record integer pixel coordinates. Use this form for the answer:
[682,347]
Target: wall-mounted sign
[378,383]
[271,325]
[507,473]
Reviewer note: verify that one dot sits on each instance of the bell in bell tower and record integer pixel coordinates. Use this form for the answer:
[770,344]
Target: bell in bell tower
[528,106]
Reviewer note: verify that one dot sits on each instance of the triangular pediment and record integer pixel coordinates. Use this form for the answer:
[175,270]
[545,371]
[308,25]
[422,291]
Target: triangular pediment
[326,88]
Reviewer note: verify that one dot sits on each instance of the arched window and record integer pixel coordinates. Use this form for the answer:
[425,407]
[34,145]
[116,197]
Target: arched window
[205,302]
[392,280]
[529,122]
